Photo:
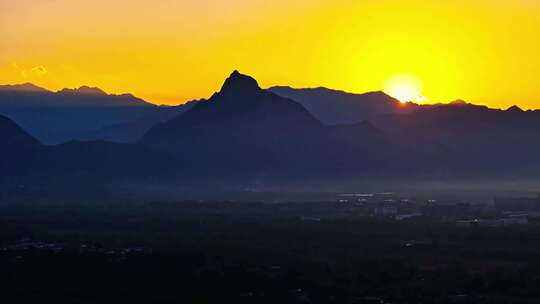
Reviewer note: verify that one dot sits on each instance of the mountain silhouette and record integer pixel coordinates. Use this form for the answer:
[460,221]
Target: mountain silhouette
[82,113]
[515,109]
[132,131]
[13,136]
[19,148]
[245,135]
[84,90]
[337,107]
[25,161]
[477,139]
[25,87]
[245,130]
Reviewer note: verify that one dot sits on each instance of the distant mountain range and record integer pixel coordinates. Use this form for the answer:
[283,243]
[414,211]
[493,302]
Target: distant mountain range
[245,135]
[84,113]
[24,159]
[337,107]
[478,138]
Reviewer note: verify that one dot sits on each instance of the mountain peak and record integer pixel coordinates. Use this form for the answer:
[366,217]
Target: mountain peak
[514,109]
[91,90]
[238,83]
[458,102]
[84,90]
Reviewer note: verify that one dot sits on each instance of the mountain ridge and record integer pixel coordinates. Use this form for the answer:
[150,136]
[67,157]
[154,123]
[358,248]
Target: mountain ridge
[334,107]
[245,130]
[82,113]
[244,135]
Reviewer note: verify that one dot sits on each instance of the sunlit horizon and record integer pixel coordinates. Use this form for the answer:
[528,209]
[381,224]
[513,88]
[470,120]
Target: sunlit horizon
[172,51]
[405,89]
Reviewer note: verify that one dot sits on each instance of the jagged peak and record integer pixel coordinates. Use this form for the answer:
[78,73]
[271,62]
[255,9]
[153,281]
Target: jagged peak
[84,90]
[239,83]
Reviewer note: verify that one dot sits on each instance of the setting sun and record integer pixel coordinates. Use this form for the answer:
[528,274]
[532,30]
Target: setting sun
[405,89]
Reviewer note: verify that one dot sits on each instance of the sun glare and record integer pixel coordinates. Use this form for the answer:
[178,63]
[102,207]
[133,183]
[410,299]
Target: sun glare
[405,89]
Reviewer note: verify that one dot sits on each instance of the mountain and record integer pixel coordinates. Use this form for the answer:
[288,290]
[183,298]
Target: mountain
[82,113]
[132,131]
[478,139]
[243,131]
[25,87]
[14,137]
[471,140]
[84,90]
[246,136]
[18,148]
[337,107]
[25,161]
[515,109]
[246,131]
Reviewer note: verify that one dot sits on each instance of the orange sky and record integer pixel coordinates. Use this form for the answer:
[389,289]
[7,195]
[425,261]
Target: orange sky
[168,51]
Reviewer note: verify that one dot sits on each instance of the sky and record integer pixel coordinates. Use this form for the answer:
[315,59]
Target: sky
[171,51]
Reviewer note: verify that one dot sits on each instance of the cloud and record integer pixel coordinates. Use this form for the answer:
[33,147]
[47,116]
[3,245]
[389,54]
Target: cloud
[39,70]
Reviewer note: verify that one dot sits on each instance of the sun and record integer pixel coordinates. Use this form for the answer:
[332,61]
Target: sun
[405,89]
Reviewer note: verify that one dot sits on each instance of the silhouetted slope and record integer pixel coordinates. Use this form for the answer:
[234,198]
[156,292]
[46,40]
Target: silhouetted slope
[479,140]
[77,113]
[244,135]
[18,148]
[246,131]
[338,107]
[13,136]
[241,128]
[240,106]
[21,88]
[132,131]
[25,161]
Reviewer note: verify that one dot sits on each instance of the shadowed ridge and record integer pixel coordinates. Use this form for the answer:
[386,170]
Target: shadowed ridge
[23,88]
[515,109]
[19,150]
[84,90]
[335,107]
[240,103]
[329,90]
[55,117]
[244,131]
[13,136]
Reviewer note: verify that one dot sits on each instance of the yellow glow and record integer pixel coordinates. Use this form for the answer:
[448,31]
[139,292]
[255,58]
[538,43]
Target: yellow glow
[405,89]
[169,51]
